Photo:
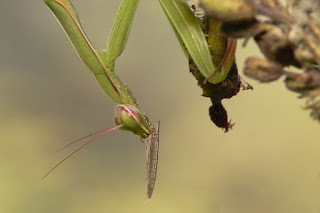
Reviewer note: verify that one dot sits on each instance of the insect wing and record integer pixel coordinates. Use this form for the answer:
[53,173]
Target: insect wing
[152,158]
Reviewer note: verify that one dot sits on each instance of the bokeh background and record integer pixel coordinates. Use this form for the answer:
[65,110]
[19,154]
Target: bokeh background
[268,163]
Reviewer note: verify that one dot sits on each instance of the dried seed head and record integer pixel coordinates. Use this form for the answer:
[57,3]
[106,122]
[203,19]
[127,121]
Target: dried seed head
[262,70]
[304,54]
[228,10]
[240,29]
[274,44]
[303,83]
[219,116]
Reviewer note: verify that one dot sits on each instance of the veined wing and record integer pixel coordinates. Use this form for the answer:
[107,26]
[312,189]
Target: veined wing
[152,158]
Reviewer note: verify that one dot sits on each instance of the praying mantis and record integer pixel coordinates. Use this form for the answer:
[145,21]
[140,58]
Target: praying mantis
[127,115]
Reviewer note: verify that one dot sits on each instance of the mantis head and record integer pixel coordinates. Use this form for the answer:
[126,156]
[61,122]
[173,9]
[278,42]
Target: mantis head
[131,119]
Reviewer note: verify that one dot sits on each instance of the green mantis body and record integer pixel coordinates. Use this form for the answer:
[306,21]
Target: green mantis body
[209,70]
[127,115]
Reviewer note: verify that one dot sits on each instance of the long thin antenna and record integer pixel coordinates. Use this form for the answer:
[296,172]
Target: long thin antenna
[107,130]
[69,144]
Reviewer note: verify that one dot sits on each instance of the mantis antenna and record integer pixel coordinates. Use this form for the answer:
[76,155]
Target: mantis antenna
[103,133]
[69,144]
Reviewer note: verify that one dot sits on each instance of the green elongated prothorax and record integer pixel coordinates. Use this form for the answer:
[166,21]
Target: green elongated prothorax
[101,63]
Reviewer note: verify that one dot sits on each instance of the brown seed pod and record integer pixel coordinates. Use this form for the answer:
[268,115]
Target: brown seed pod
[262,70]
[228,10]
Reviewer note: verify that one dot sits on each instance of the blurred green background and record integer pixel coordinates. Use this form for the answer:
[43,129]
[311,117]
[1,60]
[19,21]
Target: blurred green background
[268,163]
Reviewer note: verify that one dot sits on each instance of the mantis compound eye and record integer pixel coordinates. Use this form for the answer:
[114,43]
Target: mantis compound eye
[131,119]
[127,116]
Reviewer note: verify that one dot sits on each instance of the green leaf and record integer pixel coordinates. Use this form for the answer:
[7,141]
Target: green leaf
[188,31]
